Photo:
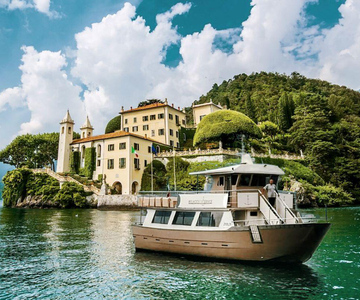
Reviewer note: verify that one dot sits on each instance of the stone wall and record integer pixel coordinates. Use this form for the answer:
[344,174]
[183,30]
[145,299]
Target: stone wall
[117,201]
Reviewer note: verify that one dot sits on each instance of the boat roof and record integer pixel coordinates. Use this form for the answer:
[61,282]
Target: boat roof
[246,167]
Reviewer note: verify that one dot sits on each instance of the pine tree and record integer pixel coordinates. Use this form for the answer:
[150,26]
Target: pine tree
[250,108]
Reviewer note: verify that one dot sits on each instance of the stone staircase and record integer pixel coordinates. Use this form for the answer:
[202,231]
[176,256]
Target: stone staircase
[62,179]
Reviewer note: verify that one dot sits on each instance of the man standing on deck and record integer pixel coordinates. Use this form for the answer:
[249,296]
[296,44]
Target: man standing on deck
[271,191]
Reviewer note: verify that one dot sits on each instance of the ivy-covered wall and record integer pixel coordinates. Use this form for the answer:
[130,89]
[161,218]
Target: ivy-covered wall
[90,162]
[75,162]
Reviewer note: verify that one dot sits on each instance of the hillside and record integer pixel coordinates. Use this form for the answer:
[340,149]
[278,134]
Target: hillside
[297,113]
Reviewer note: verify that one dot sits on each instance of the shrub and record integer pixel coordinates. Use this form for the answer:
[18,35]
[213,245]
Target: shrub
[113,125]
[66,195]
[15,186]
[332,196]
[159,176]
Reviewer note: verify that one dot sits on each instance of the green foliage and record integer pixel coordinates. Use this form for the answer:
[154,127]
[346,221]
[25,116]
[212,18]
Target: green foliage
[286,109]
[159,177]
[15,186]
[75,162]
[20,183]
[149,101]
[90,162]
[32,151]
[224,125]
[186,137]
[70,195]
[332,196]
[113,125]
[250,108]
[269,128]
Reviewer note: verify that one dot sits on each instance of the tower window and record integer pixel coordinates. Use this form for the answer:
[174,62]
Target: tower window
[62,130]
[69,129]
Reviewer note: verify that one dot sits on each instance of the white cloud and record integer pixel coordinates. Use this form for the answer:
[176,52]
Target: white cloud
[120,60]
[47,90]
[42,6]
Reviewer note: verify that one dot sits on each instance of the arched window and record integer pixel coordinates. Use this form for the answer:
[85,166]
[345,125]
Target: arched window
[69,130]
[62,130]
[99,151]
[117,187]
[134,187]
[83,135]
[157,149]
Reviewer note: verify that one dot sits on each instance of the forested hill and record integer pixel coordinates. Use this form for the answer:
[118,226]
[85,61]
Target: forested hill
[265,89]
[295,112]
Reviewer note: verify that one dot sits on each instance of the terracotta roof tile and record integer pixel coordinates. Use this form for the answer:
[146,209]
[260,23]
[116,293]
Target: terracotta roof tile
[149,106]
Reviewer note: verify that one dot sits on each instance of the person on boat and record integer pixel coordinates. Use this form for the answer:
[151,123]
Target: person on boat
[271,191]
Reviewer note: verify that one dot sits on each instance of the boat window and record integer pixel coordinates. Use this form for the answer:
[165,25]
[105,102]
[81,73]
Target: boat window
[161,217]
[259,180]
[209,219]
[245,179]
[233,179]
[183,218]
[221,181]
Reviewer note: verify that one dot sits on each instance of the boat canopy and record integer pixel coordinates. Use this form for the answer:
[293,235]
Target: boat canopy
[246,167]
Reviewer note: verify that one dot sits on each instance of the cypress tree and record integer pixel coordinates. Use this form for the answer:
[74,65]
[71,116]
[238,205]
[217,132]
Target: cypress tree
[250,108]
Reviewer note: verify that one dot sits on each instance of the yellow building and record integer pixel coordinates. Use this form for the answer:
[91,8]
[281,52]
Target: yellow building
[158,121]
[120,155]
[202,110]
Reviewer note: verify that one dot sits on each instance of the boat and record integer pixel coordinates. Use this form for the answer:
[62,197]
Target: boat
[231,219]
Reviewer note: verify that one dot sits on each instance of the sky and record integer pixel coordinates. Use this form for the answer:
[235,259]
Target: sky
[93,57]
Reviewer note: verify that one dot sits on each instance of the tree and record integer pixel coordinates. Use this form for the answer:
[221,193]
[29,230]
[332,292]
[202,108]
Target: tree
[159,177]
[149,101]
[269,129]
[113,125]
[286,109]
[224,125]
[250,108]
[33,151]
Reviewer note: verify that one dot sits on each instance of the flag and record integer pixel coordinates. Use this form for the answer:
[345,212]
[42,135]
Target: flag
[153,149]
[133,151]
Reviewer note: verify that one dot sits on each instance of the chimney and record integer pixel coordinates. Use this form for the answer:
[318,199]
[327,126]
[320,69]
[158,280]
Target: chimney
[178,107]
[166,102]
[130,107]
[122,108]
[172,105]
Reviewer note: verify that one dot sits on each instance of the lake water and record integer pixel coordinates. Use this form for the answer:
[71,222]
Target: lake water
[89,254]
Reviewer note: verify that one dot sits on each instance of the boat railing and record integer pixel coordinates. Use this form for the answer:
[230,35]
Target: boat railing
[285,212]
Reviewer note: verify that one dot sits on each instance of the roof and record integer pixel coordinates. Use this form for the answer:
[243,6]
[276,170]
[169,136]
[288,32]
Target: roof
[208,103]
[246,167]
[118,133]
[149,106]
[243,169]
[87,124]
[67,118]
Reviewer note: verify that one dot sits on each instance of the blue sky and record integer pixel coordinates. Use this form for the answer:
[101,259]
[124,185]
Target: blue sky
[93,57]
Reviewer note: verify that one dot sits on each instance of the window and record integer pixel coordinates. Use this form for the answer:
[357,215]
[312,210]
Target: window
[145,118]
[145,163]
[171,117]
[161,132]
[161,217]
[234,179]
[158,149]
[110,164]
[177,133]
[145,127]
[183,122]
[245,179]
[122,146]
[177,145]
[126,121]
[136,146]
[152,117]
[111,147]
[149,149]
[183,218]
[135,119]
[122,163]
[172,143]
[209,219]
[62,130]
[135,128]
[69,130]
[221,181]
[152,132]
[201,117]
[253,214]
[98,162]
[126,129]
[137,164]
[99,151]
[160,116]
[171,132]
[177,119]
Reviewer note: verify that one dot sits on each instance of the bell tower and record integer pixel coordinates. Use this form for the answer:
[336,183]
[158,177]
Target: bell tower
[65,139]
[86,129]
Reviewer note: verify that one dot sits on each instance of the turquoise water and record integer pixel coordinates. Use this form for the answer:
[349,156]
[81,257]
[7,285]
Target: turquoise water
[89,254]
